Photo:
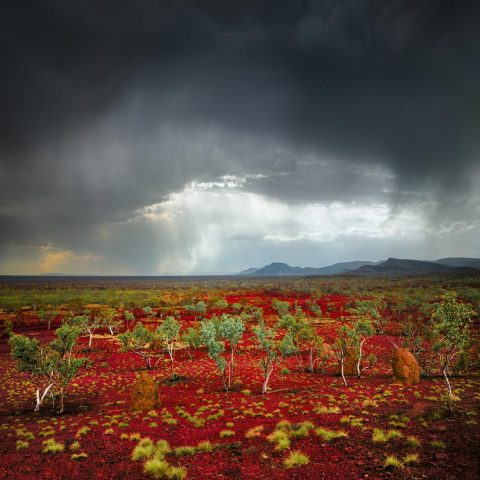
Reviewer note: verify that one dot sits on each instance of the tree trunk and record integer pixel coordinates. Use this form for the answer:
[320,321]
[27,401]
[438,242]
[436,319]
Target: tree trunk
[40,399]
[266,379]
[342,360]
[310,361]
[359,360]
[447,381]
[61,398]
[90,340]
[148,362]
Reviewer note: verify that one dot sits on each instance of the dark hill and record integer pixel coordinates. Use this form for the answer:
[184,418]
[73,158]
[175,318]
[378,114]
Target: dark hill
[398,266]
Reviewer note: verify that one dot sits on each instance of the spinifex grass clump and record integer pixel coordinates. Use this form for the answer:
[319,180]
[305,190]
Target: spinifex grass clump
[254,432]
[392,462]
[296,459]
[329,435]
[413,441]
[379,436]
[411,458]
[79,456]
[52,446]
[144,449]
[21,444]
[285,431]
[204,446]
[156,465]
[184,450]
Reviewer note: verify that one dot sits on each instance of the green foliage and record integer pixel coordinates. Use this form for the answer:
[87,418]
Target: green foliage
[223,336]
[88,324]
[343,342]
[143,342]
[169,332]
[281,307]
[451,332]
[192,337]
[199,307]
[214,345]
[52,366]
[269,346]
[369,310]
[221,304]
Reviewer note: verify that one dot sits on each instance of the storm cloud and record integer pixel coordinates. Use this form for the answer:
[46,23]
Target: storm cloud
[178,137]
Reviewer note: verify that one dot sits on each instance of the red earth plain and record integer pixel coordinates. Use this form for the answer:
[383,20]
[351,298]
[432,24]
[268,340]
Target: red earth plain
[341,432]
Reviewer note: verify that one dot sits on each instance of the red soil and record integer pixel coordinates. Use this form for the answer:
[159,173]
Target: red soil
[100,400]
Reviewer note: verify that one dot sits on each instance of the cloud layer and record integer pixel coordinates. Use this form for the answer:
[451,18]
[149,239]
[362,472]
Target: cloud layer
[342,125]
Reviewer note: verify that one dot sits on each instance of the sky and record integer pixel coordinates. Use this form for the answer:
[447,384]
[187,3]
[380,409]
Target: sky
[205,137]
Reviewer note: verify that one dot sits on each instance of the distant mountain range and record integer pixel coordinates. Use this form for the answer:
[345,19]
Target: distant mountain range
[390,267]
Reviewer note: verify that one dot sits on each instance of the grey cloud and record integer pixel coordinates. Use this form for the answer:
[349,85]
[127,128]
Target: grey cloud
[107,108]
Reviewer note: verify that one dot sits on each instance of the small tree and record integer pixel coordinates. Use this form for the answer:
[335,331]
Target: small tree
[35,360]
[314,308]
[109,318]
[362,329]
[301,337]
[341,346]
[129,317]
[52,367]
[149,312]
[88,324]
[221,304]
[220,336]
[143,342]
[451,334]
[197,308]
[66,364]
[237,307]
[369,310]
[46,316]
[281,307]
[270,350]
[192,337]
[169,331]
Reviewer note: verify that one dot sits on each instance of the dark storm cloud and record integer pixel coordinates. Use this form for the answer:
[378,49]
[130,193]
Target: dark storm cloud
[110,106]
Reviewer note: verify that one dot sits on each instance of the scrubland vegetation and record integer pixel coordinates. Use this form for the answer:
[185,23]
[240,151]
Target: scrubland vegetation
[240,378]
